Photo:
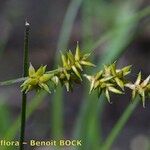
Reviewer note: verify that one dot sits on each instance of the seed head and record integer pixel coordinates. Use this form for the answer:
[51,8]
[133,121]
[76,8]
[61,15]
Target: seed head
[73,67]
[109,79]
[141,88]
[37,79]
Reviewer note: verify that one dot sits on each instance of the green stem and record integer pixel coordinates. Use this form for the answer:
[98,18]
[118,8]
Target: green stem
[119,125]
[13,81]
[25,73]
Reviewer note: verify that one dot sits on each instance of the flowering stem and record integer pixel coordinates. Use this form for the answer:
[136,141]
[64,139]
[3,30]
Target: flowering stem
[25,73]
[119,125]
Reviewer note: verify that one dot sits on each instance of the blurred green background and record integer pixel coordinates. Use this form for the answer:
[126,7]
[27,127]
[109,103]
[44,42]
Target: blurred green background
[114,29]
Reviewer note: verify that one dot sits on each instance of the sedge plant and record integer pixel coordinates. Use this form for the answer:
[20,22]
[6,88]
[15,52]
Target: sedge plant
[70,73]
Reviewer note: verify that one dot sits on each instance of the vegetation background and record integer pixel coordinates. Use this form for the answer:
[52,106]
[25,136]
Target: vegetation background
[114,29]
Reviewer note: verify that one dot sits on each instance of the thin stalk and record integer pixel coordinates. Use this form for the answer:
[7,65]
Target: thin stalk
[119,125]
[25,73]
[12,81]
[18,80]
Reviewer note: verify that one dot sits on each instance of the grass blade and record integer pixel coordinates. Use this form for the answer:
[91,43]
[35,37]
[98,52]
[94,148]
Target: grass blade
[68,24]
[57,115]
[113,51]
[119,125]
[4,117]
[31,107]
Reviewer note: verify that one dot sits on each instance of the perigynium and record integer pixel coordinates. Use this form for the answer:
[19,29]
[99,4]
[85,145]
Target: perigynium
[38,79]
[109,79]
[72,69]
[141,88]
[69,72]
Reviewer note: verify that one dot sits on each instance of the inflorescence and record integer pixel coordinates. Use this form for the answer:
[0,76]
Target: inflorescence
[69,72]
[72,70]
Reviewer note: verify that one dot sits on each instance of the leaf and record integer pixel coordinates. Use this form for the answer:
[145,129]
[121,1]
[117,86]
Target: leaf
[13,81]
[5,116]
